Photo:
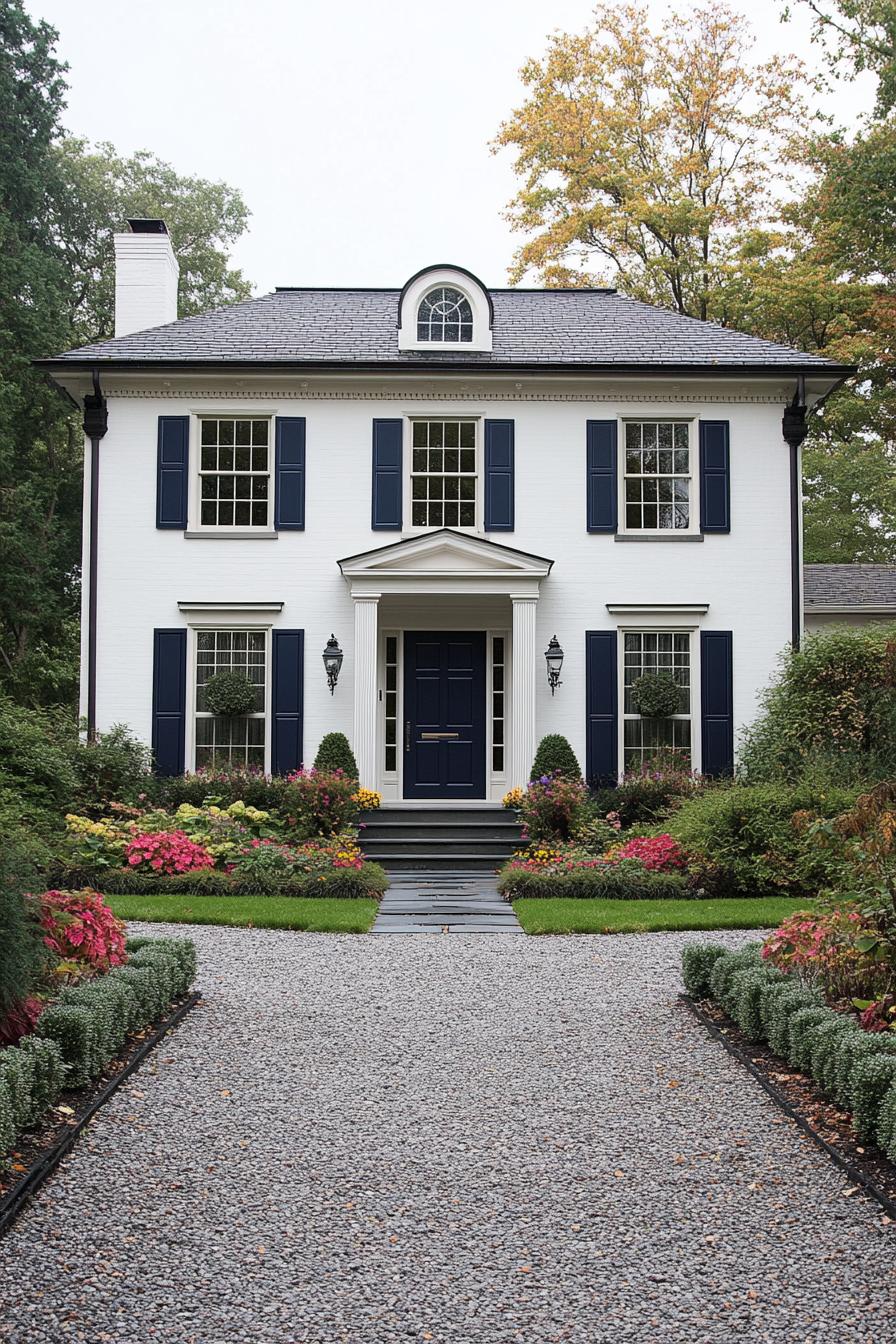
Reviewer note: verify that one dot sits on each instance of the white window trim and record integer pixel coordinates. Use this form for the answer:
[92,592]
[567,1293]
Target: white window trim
[436,279]
[661,628]
[478,527]
[693,528]
[193,629]
[196,527]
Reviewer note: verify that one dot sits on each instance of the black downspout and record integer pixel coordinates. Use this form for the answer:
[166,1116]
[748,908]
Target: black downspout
[95,425]
[795,429]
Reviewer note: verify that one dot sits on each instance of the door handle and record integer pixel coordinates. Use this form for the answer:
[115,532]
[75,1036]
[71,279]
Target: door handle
[407,734]
[437,737]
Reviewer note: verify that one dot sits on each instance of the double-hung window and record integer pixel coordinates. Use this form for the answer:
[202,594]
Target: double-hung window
[658,484]
[222,740]
[443,473]
[656,651]
[234,472]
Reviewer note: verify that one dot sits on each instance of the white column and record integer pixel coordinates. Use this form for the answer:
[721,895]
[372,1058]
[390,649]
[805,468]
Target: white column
[522,697]
[365,689]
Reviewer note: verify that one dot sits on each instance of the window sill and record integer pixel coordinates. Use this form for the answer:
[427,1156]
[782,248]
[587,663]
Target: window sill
[658,536]
[232,536]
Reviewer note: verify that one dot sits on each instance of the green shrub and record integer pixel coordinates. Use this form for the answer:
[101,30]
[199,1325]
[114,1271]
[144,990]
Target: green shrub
[869,1083]
[117,767]
[224,787]
[37,755]
[91,1020]
[182,949]
[23,956]
[646,797]
[799,1035]
[555,756]
[749,837]
[746,995]
[831,714]
[725,971]
[886,1124]
[777,1003]
[8,1130]
[697,961]
[622,883]
[852,1049]
[334,753]
[823,1047]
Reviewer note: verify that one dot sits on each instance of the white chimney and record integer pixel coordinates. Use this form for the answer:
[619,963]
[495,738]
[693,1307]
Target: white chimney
[146,273]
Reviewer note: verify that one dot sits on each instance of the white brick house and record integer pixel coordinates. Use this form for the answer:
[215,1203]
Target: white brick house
[443,477]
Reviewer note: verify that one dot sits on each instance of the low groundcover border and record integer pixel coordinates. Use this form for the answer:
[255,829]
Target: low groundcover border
[18,1196]
[746,1054]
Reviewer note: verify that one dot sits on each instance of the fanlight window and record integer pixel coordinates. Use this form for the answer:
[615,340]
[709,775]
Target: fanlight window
[445,315]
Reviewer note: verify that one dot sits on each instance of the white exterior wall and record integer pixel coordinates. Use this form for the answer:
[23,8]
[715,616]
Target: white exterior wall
[744,576]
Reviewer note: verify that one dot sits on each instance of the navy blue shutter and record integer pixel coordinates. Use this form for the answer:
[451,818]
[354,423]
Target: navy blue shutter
[499,436]
[169,700]
[601,490]
[717,702]
[288,686]
[715,477]
[387,436]
[289,473]
[173,471]
[601,709]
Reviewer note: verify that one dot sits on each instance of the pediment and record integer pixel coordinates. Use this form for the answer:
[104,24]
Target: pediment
[446,554]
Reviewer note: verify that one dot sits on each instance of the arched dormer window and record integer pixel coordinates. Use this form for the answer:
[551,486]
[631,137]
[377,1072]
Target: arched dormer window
[444,308]
[445,315]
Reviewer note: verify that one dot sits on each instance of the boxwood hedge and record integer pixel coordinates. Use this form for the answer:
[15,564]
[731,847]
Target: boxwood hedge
[856,1068]
[86,1027]
[345,883]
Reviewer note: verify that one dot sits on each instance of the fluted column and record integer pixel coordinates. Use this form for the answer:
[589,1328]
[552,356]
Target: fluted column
[522,698]
[365,689]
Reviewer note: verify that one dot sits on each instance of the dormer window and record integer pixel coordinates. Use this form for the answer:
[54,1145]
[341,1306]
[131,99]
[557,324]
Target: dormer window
[445,315]
[445,308]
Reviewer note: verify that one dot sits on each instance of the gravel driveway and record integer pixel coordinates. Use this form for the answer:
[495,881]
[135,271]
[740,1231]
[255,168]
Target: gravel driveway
[452,1139]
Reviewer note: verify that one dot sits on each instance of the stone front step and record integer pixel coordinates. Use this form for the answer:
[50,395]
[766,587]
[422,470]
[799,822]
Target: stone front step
[428,839]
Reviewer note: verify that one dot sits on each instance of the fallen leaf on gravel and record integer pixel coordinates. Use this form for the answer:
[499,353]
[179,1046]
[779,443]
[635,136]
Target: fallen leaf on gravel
[618,1172]
[524,1269]
[65,1110]
[752,1294]
[673,1082]
[850,1190]
[224,1093]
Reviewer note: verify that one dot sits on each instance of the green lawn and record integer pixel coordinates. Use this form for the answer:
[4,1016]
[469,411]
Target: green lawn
[598,916]
[310,914]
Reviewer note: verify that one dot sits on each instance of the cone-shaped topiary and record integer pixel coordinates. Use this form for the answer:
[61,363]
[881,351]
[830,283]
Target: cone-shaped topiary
[555,755]
[334,753]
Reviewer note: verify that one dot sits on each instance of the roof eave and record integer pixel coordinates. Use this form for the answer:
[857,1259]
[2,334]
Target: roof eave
[89,362]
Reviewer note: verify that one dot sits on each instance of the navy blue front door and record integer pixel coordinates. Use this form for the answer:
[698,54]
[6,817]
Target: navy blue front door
[444,711]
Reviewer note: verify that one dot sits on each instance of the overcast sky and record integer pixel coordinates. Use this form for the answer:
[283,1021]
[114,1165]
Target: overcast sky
[357,130]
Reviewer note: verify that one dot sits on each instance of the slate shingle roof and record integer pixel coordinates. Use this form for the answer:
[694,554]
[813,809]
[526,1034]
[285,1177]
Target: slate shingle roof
[849,586]
[531,328]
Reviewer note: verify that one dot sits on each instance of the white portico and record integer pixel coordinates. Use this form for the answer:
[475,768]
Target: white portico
[404,595]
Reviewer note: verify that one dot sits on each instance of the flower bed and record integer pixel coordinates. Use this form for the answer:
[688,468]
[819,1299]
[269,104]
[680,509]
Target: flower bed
[348,883]
[637,869]
[238,848]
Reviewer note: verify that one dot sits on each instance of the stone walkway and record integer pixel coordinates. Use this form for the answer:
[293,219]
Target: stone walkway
[460,1140]
[444,903]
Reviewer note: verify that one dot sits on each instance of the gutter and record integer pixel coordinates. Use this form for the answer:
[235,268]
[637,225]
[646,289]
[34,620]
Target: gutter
[370,369]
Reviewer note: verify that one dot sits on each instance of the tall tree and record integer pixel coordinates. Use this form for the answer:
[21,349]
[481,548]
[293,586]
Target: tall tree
[644,155]
[39,453]
[60,203]
[858,35]
[101,190]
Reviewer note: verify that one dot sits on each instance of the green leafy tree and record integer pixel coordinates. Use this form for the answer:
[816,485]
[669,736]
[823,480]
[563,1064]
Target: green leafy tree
[101,190]
[60,203]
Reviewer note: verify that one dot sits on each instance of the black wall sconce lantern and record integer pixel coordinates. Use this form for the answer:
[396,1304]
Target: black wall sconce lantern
[554,658]
[332,656]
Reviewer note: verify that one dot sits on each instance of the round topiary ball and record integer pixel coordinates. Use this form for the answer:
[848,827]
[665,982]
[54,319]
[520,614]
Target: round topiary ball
[229,694]
[656,695]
